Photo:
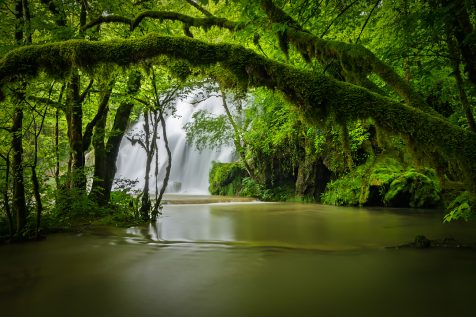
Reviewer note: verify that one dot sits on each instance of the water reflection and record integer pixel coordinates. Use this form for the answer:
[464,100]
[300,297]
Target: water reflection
[301,226]
[245,260]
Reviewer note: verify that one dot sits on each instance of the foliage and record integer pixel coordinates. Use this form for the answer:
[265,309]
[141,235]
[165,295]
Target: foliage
[415,188]
[461,207]
[252,188]
[122,212]
[226,179]
[231,179]
[343,192]
[385,183]
[208,130]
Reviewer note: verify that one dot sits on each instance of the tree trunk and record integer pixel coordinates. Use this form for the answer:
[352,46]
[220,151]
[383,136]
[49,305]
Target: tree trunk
[18,11]
[312,176]
[105,163]
[459,24]
[36,192]
[97,188]
[83,13]
[460,84]
[57,155]
[34,177]
[149,147]
[237,137]
[98,140]
[6,203]
[74,116]
[167,169]
[19,202]
[121,121]
[22,23]
[106,155]
[26,21]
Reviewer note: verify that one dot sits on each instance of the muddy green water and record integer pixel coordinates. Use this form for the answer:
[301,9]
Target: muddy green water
[246,260]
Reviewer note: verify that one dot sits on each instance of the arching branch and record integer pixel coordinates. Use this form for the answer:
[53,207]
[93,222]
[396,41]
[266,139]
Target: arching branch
[189,21]
[317,96]
[205,23]
[353,57]
[107,19]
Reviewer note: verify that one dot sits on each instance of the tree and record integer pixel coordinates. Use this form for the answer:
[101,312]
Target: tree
[106,152]
[158,102]
[210,130]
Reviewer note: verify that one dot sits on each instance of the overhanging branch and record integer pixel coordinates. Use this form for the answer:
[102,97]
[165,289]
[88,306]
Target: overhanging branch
[353,58]
[188,21]
[317,96]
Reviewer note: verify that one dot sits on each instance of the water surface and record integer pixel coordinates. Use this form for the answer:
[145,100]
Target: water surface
[246,260]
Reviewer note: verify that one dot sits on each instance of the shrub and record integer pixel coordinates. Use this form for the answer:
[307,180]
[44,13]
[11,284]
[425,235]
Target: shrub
[385,183]
[461,207]
[414,188]
[226,178]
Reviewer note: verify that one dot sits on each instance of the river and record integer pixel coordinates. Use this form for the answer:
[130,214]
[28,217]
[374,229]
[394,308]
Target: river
[246,259]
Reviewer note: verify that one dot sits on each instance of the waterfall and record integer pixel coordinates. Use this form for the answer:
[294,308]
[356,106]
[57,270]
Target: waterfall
[190,168]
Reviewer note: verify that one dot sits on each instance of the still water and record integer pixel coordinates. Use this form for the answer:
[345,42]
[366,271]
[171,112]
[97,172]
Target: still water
[246,260]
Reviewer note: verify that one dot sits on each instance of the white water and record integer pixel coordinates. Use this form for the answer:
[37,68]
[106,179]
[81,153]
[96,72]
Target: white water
[190,168]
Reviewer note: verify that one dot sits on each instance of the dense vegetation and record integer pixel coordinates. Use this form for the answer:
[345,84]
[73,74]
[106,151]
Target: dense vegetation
[338,101]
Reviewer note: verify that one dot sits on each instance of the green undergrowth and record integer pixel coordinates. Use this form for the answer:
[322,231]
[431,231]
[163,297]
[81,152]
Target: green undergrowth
[385,182]
[461,208]
[231,179]
[74,211]
[226,179]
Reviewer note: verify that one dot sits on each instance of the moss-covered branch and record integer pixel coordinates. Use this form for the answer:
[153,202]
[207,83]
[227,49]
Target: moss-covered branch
[316,95]
[205,23]
[353,58]
[188,21]
[107,19]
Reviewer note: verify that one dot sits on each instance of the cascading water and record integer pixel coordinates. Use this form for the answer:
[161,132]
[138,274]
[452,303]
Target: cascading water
[190,168]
